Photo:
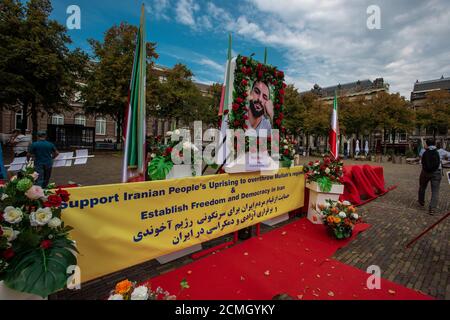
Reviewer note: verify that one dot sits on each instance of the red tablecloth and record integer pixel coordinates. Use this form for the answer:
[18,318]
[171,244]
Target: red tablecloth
[363,183]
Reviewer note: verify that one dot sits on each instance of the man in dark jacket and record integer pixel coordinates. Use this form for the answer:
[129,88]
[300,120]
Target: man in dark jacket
[431,172]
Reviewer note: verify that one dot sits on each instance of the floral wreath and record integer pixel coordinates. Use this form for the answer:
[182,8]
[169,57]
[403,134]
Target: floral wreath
[247,70]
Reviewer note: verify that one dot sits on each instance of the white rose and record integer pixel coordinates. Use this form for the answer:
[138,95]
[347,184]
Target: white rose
[169,133]
[41,217]
[13,215]
[286,147]
[140,293]
[346,203]
[327,170]
[342,215]
[355,216]
[35,176]
[153,155]
[177,132]
[54,223]
[116,297]
[285,141]
[4,197]
[10,234]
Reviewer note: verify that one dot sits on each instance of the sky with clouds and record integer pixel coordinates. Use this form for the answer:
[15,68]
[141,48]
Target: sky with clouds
[314,41]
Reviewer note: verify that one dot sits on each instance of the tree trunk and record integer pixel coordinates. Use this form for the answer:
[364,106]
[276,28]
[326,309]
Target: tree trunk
[24,124]
[34,119]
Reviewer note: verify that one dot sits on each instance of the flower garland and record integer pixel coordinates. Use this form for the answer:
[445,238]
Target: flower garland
[247,70]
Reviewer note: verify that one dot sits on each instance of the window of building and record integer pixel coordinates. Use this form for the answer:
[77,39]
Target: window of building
[58,119]
[100,126]
[19,119]
[80,119]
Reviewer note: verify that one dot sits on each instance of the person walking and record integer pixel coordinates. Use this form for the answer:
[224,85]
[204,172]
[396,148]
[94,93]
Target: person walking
[20,143]
[43,153]
[431,173]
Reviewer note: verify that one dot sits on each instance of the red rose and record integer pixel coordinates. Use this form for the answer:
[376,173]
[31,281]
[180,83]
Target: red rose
[245,126]
[245,94]
[286,152]
[283,130]
[53,201]
[281,100]
[235,107]
[259,67]
[260,74]
[310,164]
[277,106]
[278,122]
[8,253]
[284,85]
[245,109]
[63,194]
[281,115]
[274,82]
[245,117]
[1,217]
[269,139]
[226,111]
[280,74]
[236,123]
[281,92]
[45,244]
[244,82]
[239,100]
[244,60]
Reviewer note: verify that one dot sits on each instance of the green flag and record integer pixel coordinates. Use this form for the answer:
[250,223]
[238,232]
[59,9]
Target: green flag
[135,148]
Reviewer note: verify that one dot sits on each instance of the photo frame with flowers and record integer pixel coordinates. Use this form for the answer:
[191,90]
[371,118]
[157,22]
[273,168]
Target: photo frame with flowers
[246,73]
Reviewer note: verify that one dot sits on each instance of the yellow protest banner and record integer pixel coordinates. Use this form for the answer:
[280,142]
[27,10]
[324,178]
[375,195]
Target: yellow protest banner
[121,225]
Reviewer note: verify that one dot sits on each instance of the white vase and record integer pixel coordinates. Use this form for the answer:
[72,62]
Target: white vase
[11,294]
[184,170]
[318,197]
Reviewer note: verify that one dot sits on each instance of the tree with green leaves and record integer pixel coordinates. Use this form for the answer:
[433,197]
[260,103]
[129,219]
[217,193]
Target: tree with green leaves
[294,110]
[108,84]
[38,72]
[393,112]
[435,114]
[179,97]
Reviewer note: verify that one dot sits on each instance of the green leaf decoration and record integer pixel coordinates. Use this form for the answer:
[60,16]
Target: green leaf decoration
[159,168]
[325,184]
[41,271]
[184,284]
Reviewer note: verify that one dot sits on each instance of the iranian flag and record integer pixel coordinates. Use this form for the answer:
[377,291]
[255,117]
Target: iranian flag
[134,164]
[334,132]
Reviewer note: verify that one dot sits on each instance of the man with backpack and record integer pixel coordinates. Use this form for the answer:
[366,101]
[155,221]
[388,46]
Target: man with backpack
[431,172]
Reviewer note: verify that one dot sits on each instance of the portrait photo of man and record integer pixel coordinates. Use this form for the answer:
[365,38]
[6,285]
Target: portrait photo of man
[260,106]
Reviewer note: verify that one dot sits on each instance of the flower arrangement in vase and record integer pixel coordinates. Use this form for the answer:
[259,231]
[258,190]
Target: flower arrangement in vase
[35,249]
[127,290]
[340,218]
[325,173]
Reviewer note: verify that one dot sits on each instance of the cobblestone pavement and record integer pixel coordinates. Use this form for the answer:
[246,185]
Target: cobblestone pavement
[395,220]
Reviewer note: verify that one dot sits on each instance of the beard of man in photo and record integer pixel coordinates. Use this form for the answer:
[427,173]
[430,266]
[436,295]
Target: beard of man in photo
[258,101]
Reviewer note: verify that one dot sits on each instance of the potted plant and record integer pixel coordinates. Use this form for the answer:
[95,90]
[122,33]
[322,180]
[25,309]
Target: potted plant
[324,181]
[340,218]
[35,249]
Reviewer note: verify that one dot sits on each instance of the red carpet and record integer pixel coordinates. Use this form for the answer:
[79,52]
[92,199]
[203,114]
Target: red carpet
[294,259]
